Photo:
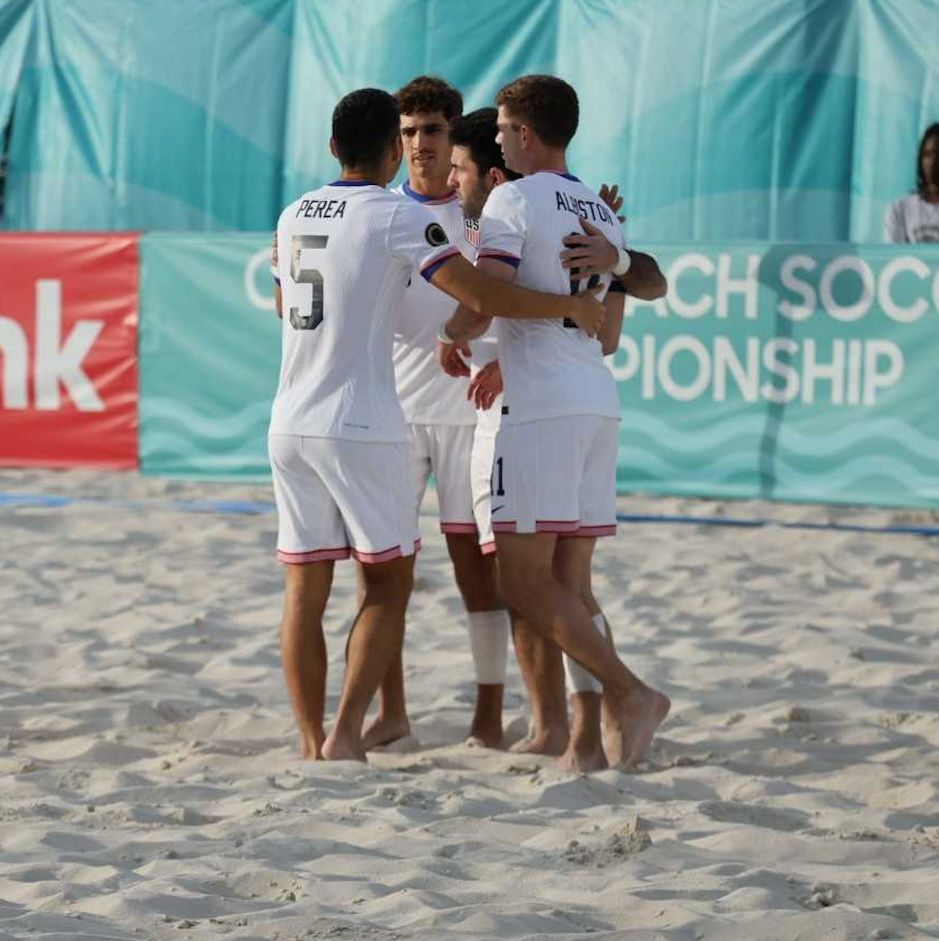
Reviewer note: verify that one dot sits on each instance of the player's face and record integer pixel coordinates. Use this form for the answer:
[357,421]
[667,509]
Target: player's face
[930,160]
[426,145]
[471,188]
[509,139]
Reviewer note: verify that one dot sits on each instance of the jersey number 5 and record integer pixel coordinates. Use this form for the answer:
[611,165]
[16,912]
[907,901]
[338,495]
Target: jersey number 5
[307,318]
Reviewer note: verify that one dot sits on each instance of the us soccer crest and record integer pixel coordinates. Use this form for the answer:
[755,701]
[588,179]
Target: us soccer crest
[471,231]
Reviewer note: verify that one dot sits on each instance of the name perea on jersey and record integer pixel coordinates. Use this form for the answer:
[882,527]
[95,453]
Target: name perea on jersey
[586,208]
[321,209]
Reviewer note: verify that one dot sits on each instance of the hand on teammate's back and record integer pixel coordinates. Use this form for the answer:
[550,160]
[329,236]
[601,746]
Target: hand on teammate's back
[587,311]
[589,253]
[610,195]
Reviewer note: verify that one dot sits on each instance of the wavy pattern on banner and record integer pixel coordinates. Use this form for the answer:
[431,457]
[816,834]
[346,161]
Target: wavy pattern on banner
[169,453]
[248,424]
[891,477]
[644,463]
[875,432]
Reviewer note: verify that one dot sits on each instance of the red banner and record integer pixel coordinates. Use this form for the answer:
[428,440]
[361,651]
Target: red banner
[68,349]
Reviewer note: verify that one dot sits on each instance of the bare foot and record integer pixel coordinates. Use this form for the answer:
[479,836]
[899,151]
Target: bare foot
[384,732]
[543,742]
[582,759]
[612,733]
[487,737]
[311,749]
[486,729]
[338,748]
[630,724]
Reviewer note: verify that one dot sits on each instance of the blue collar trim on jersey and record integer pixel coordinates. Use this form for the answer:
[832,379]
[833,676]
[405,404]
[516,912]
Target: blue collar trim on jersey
[353,183]
[421,198]
[567,176]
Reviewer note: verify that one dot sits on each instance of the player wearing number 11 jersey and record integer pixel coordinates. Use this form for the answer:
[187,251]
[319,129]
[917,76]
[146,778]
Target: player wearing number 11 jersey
[554,466]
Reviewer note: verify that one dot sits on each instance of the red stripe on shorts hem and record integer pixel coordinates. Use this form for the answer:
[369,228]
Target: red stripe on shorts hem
[541,526]
[457,527]
[318,555]
[386,555]
[590,531]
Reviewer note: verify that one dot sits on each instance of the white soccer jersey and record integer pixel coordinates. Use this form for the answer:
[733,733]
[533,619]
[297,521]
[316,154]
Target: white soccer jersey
[428,395]
[345,254]
[912,220]
[550,367]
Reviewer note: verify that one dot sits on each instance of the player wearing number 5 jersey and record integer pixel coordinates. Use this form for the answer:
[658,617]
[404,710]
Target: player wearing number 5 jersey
[337,437]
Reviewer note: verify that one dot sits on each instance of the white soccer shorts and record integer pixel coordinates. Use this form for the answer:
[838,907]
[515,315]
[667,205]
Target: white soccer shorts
[337,498]
[444,451]
[556,475]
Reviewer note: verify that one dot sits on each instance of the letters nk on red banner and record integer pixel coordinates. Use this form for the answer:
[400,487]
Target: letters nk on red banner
[68,349]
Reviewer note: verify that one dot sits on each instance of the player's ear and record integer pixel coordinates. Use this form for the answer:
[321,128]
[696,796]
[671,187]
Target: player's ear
[496,177]
[332,148]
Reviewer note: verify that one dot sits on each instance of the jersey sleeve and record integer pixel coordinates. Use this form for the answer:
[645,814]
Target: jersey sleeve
[418,239]
[275,274]
[503,225]
[893,223]
[280,250]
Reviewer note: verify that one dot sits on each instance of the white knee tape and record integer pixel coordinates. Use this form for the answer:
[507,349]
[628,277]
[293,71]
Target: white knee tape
[578,679]
[489,640]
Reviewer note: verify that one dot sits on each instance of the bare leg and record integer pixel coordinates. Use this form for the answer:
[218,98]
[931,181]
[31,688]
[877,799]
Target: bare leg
[475,575]
[539,660]
[572,563]
[392,721]
[303,649]
[528,584]
[376,638]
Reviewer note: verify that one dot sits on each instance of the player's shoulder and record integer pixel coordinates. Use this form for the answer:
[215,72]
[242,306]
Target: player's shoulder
[506,197]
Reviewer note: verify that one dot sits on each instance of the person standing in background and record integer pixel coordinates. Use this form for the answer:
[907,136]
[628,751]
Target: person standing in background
[915,218]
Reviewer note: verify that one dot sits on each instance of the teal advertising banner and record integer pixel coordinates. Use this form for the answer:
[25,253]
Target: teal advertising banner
[722,119]
[209,355]
[785,371]
[793,372]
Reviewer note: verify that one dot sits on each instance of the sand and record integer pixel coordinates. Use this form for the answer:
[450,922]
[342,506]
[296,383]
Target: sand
[149,784]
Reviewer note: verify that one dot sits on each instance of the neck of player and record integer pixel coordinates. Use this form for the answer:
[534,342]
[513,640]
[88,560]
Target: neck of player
[431,187]
[545,159]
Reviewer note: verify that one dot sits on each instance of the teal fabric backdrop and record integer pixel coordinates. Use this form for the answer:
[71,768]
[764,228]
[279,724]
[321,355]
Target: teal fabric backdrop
[723,119]
[209,355]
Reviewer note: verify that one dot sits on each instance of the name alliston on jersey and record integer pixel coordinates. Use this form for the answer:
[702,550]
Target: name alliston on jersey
[428,395]
[345,255]
[549,370]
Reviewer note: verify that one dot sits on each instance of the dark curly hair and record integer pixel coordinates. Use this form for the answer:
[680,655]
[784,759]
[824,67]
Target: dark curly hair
[427,94]
[476,132]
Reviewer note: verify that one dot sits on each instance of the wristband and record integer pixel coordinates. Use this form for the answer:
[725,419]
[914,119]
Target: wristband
[623,264]
[444,337]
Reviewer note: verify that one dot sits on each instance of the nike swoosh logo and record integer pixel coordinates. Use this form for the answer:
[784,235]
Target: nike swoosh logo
[496,509]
